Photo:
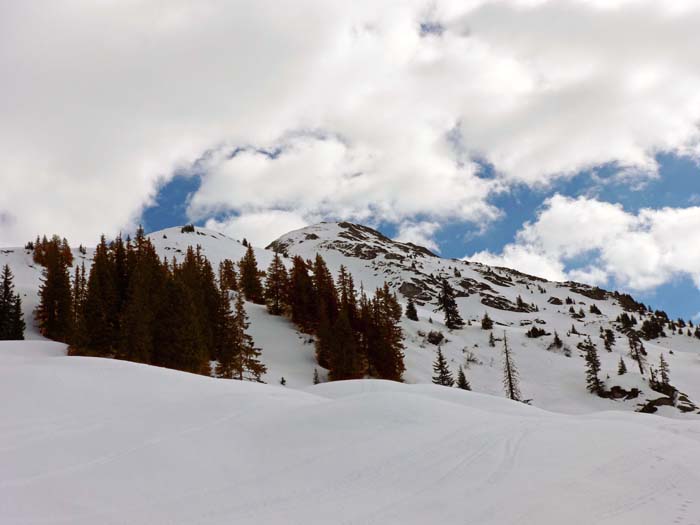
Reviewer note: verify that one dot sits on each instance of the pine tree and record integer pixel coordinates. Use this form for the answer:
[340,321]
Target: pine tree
[442,376]
[593,383]
[227,339]
[636,351]
[100,306]
[411,312]
[317,379]
[511,379]
[448,305]
[557,343]
[276,286]
[621,367]
[302,297]
[248,365]
[11,318]
[383,336]
[486,322]
[250,277]
[347,295]
[492,340]
[462,380]
[345,358]
[54,311]
[228,278]
[664,371]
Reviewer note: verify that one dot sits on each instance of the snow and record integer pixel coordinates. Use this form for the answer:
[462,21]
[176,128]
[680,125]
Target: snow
[86,440]
[550,379]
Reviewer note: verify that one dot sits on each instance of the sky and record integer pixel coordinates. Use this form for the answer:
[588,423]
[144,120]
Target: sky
[558,137]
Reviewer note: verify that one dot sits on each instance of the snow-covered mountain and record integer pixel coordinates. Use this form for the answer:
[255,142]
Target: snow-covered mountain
[552,378]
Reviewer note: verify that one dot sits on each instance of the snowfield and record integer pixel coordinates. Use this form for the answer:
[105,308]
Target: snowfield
[87,441]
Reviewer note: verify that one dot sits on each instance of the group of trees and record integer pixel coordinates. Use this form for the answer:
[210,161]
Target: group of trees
[134,306]
[11,318]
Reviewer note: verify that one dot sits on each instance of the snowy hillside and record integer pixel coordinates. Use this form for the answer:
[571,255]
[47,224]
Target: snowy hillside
[88,440]
[553,379]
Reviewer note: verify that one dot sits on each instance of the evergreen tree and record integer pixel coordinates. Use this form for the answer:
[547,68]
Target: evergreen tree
[442,375]
[511,379]
[302,297]
[486,322]
[276,286]
[411,312]
[54,311]
[347,295]
[609,339]
[557,343]
[492,340]
[664,371]
[249,366]
[448,305]
[100,306]
[317,379]
[621,367]
[228,345]
[345,358]
[462,380]
[384,337]
[250,277]
[11,318]
[593,382]
[228,278]
[636,351]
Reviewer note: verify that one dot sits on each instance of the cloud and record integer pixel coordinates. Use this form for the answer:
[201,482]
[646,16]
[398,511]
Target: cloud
[637,251]
[420,233]
[259,228]
[371,116]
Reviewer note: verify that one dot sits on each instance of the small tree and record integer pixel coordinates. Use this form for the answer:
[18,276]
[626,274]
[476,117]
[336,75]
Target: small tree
[593,382]
[462,380]
[621,367]
[557,343]
[511,379]
[411,312]
[317,379]
[448,305]
[664,371]
[486,322]
[492,340]
[636,351]
[442,376]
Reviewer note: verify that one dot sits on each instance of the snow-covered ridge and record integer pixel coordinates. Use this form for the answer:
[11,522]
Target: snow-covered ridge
[552,378]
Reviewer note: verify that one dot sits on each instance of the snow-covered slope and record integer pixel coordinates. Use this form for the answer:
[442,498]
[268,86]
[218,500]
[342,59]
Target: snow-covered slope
[85,441]
[552,379]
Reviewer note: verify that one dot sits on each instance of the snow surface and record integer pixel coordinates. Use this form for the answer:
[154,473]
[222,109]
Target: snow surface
[86,441]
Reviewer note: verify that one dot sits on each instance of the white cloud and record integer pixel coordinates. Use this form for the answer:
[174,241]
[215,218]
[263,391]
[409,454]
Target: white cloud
[638,251]
[420,233]
[259,228]
[101,101]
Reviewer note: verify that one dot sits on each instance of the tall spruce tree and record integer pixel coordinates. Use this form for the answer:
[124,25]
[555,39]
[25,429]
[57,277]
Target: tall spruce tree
[228,340]
[442,375]
[100,310]
[345,359]
[248,365]
[228,277]
[276,286]
[54,311]
[636,350]
[11,318]
[621,367]
[385,352]
[302,297]
[593,382]
[448,305]
[664,371]
[250,282]
[511,379]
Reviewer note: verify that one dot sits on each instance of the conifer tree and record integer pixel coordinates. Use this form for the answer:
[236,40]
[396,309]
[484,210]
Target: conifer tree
[276,286]
[227,342]
[249,366]
[250,277]
[636,351]
[317,379]
[228,278]
[442,375]
[664,371]
[100,307]
[621,367]
[11,318]
[345,358]
[462,382]
[486,322]
[511,379]
[347,296]
[411,312]
[593,382]
[492,340]
[54,311]
[302,297]
[384,337]
[557,343]
[448,305]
